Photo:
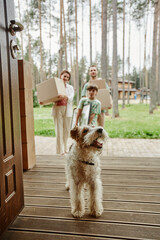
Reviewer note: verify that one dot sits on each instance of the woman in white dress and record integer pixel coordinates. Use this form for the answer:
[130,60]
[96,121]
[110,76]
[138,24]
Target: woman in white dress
[62,114]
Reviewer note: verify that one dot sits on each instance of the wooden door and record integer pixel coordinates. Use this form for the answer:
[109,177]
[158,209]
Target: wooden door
[11,183]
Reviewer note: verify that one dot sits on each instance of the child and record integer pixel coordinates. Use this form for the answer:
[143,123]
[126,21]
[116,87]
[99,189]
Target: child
[95,105]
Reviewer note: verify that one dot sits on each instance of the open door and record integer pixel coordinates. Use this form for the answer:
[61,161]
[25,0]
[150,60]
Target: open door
[11,181]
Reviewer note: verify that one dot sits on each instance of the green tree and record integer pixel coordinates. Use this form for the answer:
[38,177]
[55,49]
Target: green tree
[123,72]
[104,4]
[77,72]
[158,87]
[135,78]
[115,112]
[154,61]
[90,30]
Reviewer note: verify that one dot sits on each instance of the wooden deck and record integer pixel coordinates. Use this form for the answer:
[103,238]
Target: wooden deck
[131,202]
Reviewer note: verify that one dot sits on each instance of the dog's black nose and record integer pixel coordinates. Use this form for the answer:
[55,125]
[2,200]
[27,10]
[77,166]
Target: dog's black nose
[100,130]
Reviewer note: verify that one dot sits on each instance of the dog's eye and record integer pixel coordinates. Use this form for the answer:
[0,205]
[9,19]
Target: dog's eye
[85,130]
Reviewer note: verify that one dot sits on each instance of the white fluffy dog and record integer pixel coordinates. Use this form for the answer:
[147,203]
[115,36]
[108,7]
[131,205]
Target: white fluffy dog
[83,169]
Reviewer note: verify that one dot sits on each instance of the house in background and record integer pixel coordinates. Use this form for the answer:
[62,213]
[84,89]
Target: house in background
[132,91]
[143,93]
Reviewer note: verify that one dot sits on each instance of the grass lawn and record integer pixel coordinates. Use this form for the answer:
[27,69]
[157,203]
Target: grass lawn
[134,122]
[43,122]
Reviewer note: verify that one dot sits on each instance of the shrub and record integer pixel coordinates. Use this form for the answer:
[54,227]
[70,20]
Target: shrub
[35,99]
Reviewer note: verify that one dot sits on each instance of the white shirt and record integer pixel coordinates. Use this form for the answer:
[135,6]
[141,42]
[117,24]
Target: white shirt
[70,95]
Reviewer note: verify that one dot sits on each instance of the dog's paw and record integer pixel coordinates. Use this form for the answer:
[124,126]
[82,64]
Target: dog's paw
[77,213]
[67,186]
[96,212]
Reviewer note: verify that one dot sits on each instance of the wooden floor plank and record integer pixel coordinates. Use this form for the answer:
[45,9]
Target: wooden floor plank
[117,166]
[24,235]
[108,216]
[113,161]
[108,205]
[153,180]
[106,188]
[137,197]
[30,174]
[87,228]
[105,171]
[51,158]
[114,181]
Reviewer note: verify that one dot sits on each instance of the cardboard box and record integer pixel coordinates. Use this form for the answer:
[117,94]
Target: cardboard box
[49,90]
[104,97]
[100,83]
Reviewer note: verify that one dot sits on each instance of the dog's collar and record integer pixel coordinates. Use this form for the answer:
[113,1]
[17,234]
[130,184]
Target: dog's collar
[89,163]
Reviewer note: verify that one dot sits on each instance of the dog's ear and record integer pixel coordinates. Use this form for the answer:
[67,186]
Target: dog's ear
[75,133]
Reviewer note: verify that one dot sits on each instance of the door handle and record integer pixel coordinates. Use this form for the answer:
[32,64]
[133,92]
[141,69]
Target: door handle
[14,48]
[15,27]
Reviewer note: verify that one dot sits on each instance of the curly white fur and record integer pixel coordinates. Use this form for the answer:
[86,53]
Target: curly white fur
[79,173]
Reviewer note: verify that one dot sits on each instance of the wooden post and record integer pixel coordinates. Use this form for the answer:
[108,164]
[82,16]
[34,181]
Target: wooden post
[26,112]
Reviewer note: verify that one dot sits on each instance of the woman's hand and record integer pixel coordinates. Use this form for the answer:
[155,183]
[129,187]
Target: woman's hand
[62,96]
[110,107]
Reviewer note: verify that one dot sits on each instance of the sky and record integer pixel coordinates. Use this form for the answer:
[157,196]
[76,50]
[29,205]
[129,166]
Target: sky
[136,44]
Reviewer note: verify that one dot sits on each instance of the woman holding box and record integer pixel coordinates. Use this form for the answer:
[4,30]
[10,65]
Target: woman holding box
[62,113]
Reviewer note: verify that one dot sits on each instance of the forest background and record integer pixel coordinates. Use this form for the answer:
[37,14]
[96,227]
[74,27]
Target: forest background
[121,37]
